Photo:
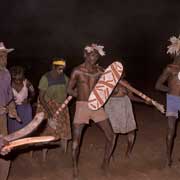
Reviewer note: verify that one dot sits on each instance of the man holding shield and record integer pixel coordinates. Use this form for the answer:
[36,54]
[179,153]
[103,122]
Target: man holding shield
[82,81]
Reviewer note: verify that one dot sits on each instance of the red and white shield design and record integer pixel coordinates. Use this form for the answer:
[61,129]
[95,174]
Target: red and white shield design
[105,85]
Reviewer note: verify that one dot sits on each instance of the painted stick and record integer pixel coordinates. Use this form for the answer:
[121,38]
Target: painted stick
[29,140]
[159,106]
[37,120]
[64,104]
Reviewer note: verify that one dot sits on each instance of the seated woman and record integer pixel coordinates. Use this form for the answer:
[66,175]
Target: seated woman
[23,93]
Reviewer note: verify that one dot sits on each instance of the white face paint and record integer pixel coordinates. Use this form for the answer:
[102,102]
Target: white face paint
[179,75]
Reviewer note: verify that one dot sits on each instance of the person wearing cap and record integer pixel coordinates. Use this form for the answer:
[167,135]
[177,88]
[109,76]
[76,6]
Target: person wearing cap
[169,82]
[82,81]
[7,107]
[52,93]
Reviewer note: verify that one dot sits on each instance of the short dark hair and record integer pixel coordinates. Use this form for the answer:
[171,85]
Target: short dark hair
[17,70]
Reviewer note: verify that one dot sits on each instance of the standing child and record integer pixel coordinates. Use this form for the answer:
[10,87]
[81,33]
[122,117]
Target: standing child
[23,93]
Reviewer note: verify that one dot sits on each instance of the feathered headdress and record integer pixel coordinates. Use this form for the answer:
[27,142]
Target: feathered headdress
[3,48]
[174,48]
[96,47]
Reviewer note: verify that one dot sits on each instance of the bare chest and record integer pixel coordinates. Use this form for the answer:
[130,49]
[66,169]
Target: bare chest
[88,77]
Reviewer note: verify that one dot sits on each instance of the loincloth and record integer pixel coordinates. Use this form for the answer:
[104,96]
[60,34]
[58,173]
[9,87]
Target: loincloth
[61,127]
[172,105]
[83,114]
[121,117]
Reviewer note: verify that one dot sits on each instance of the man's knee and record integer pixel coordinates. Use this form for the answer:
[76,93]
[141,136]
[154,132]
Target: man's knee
[75,145]
[131,137]
[75,131]
[111,137]
[170,133]
[171,121]
[76,138]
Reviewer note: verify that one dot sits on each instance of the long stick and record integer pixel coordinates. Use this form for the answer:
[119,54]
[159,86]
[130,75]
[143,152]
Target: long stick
[37,120]
[29,140]
[159,106]
[64,104]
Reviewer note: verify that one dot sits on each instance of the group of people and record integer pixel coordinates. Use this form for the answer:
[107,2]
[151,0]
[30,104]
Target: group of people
[54,87]
[15,109]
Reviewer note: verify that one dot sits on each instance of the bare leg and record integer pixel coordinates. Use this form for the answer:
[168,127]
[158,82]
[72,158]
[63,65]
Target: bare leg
[170,138]
[131,138]
[4,169]
[45,151]
[110,142]
[31,153]
[77,132]
[64,144]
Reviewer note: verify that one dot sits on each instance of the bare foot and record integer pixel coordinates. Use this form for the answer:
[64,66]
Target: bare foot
[168,163]
[128,155]
[112,160]
[105,169]
[75,178]
[75,173]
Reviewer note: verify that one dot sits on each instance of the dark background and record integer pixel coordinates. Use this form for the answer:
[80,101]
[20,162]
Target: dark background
[136,31]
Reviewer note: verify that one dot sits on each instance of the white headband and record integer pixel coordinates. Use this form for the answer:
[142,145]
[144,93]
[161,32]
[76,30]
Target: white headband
[96,47]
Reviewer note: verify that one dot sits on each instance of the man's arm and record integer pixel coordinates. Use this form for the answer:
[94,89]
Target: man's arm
[162,79]
[134,94]
[43,86]
[31,91]
[71,89]
[131,94]
[11,106]
[135,98]
[3,142]
[44,103]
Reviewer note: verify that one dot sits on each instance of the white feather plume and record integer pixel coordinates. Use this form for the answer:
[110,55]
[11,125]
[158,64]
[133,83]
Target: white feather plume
[96,47]
[174,48]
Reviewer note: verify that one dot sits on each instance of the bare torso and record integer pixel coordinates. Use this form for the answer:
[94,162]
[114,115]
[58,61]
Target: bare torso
[84,80]
[173,80]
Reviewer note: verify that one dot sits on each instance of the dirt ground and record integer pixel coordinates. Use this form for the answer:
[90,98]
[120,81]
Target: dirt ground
[146,163]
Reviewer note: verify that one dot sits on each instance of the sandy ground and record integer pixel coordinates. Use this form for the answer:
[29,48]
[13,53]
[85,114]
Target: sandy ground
[146,163]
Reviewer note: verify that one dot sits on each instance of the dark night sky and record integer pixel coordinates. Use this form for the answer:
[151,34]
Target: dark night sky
[136,31]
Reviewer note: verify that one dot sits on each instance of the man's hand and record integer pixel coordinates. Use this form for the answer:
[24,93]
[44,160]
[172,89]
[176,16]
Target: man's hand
[50,115]
[3,110]
[53,123]
[5,151]
[3,143]
[18,119]
[148,102]
[15,116]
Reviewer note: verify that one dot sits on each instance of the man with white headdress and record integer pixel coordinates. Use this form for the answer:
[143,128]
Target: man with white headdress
[171,75]
[82,81]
